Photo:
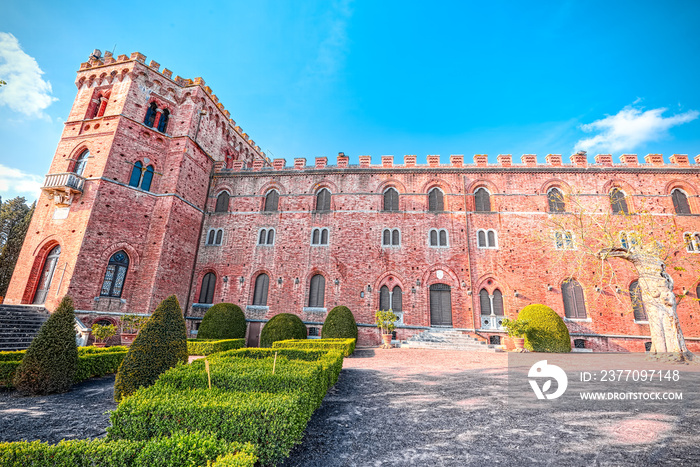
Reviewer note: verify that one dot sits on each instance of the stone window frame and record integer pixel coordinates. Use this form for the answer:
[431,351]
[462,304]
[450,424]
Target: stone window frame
[391,239]
[217,239]
[447,238]
[320,236]
[267,231]
[487,245]
[692,242]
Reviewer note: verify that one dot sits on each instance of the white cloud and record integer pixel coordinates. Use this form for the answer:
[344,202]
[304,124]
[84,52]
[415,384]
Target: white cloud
[14,181]
[26,92]
[332,49]
[630,128]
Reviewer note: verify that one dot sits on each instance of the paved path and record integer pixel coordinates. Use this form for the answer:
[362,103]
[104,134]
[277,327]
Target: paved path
[408,407]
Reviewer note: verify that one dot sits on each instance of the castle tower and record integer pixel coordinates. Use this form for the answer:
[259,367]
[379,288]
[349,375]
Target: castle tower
[120,214]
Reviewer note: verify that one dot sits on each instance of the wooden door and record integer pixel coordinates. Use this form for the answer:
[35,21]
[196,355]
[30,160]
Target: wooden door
[47,275]
[440,305]
[254,334]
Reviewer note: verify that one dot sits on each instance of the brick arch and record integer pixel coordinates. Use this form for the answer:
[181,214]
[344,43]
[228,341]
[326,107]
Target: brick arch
[223,187]
[555,183]
[683,185]
[272,185]
[111,319]
[324,183]
[482,283]
[383,279]
[391,183]
[107,253]
[427,282]
[482,183]
[251,286]
[620,184]
[445,186]
[40,254]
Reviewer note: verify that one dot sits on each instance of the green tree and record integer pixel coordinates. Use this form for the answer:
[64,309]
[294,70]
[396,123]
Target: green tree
[2,83]
[15,217]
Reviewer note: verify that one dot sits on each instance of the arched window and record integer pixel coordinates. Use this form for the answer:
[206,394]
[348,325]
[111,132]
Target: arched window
[443,237]
[574,303]
[640,313]
[316,237]
[114,276]
[618,201]
[136,174]
[384,300]
[319,237]
[497,303]
[491,236]
[391,237]
[222,202]
[491,304]
[150,115]
[556,200]
[482,200]
[262,283]
[391,200]
[386,238]
[680,202]
[219,236]
[397,299]
[433,238]
[47,275]
[271,201]
[391,300]
[438,238]
[395,237]
[147,178]
[206,293]
[481,239]
[317,291]
[163,122]
[211,237]
[79,166]
[262,237]
[692,242]
[271,236]
[324,237]
[266,237]
[435,200]
[323,200]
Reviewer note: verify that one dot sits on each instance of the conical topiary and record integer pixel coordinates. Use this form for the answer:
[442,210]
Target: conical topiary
[339,324]
[160,345]
[282,327]
[223,321]
[52,359]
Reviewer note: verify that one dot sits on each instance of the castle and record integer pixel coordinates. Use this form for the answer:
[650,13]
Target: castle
[154,190]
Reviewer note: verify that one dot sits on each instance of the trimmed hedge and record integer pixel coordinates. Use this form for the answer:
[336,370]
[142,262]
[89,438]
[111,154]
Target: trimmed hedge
[210,346]
[182,449]
[347,346]
[223,321]
[547,332]
[51,360]
[7,373]
[91,349]
[160,345]
[282,327]
[12,356]
[339,324]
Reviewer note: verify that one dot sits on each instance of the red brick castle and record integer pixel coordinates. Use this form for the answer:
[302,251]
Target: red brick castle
[154,190]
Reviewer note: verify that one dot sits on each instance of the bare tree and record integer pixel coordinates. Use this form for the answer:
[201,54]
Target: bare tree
[647,238]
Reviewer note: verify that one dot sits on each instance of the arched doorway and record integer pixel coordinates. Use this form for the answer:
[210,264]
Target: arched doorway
[440,305]
[47,275]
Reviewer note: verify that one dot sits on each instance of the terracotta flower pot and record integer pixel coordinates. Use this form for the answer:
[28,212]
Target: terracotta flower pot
[519,343]
[128,338]
[386,338]
[100,344]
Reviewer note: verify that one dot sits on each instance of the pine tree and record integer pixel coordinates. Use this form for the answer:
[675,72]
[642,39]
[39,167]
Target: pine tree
[9,252]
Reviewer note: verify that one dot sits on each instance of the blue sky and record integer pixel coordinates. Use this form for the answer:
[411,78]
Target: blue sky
[313,78]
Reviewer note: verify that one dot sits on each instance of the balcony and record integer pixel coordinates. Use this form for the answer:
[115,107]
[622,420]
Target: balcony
[63,187]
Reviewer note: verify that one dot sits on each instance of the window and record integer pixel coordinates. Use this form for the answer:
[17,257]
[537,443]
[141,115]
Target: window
[323,200]
[640,313]
[313,332]
[222,202]
[391,300]
[486,238]
[79,166]
[163,122]
[556,200]
[262,283]
[618,201]
[319,237]
[215,236]
[692,242]
[266,237]
[680,202]
[574,303]
[391,200]
[629,240]
[647,346]
[271,201]
[438,238]
[435,200]
[564,240]
[140,177]
[482,200]
[114,276]
[579,344]
[495,340]
[317,291]
[391,237]
[150,115]
[491,304]
[206,293]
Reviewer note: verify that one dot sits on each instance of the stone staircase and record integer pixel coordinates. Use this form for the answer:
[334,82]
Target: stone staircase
[447,339]
[19,324]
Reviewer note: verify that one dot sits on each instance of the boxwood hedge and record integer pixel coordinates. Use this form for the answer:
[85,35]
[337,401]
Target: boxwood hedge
[347,346]
[339,324]
[547,331]
[223,321]
[281,327]
[210,346]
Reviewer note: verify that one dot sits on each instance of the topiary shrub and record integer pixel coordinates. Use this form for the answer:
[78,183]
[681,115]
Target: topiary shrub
[282,327]
[547,331]
[339,324]
[160,345]
[51,360]
[223,321]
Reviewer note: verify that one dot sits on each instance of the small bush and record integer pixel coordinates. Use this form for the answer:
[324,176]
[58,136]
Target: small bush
[12,356]
[98,364]
[51,360]
[339,324]
[160,345]
[223,321]
[282,327]
[210,346]
[7,373]
[547,331]
[347,346]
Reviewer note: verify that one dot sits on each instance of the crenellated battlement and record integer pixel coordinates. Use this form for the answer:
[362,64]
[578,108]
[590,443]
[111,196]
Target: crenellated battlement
[578,160]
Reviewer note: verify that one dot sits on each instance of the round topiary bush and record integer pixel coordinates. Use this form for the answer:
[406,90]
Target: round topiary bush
[547,331]
[160,345]
[340,324]
[223,321]
[282,327]
[51,360]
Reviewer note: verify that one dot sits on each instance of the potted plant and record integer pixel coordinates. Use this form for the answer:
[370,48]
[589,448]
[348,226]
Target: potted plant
[102,333]
[517,330]
[130,326]
[385,320]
